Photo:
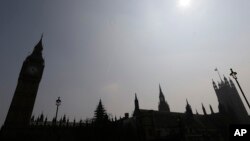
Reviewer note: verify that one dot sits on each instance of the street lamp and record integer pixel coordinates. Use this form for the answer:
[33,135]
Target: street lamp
[233,74]
[58,103]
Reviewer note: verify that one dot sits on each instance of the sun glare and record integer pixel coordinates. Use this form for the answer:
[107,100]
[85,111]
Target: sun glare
[184,3]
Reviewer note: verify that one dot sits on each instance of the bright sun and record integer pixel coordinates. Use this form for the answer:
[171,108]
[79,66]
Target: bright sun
[184,3]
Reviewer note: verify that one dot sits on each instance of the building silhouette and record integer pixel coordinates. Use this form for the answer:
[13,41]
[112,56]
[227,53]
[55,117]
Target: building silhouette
[23,101]
[230,102]
[143,125]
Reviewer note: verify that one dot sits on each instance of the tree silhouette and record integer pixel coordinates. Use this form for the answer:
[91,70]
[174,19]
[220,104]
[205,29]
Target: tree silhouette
[100,114]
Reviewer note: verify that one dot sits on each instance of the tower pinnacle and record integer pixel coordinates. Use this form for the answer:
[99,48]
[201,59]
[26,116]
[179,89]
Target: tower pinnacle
[163,106]
[216,69]
[189,111]
[160,89]
[39,47]
[214,84]
[137,109]
[204,110]
[211,109]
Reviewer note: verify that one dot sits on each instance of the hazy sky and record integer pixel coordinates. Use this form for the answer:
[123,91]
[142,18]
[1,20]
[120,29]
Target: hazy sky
[110,49]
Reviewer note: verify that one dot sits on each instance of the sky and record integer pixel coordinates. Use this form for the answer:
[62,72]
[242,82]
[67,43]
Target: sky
[112,49]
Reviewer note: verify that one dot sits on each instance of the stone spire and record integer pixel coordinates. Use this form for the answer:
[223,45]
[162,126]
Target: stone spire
[214,85]
[39,47]
[136,103]
[211,109]
[137,108]
[163,105]
[204,110]
[189,111]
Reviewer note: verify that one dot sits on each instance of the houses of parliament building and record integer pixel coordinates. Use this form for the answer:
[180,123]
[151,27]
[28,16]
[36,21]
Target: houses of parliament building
[144,125]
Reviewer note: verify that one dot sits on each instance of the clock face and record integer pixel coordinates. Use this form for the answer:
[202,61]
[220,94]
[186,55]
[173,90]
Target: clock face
[32,70]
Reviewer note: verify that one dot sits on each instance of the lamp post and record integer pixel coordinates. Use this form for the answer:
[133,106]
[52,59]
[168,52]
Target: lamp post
[233,74]
[58,103]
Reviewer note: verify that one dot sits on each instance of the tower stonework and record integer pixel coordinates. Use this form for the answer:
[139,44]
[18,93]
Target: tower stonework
[230,102]
[23,101]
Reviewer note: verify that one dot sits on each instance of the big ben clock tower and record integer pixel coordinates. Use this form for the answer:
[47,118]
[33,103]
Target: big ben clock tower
[23,101]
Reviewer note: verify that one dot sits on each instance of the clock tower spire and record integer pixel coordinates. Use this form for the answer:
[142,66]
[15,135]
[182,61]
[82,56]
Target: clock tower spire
[23,101]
